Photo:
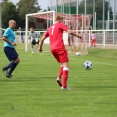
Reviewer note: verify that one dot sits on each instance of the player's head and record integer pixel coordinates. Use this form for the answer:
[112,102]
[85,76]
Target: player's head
[12,23]
[59,19]
[31,30]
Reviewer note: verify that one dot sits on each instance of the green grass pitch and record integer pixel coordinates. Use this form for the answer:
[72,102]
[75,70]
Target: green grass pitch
[34,91]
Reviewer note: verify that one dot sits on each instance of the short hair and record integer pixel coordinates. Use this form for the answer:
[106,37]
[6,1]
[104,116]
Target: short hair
[58,18]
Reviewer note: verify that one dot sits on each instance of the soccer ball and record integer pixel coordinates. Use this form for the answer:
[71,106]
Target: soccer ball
[78,53]
[88,65]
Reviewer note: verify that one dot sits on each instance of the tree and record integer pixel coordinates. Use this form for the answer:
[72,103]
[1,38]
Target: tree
[25,7]
[8,12]
[44,10]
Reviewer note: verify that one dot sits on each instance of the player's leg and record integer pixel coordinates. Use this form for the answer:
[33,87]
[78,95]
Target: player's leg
[65,74]
[56,55]
[60,75]
[9,66]
[60,71]
[65,62]
[62,57]
[70,44]
[12,56]
[32,49]
[22,39]
[69,41]
[37,44]
[94,42]
[16,62]
[7,51]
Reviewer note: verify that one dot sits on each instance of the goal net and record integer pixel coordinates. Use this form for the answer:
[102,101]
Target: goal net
[79,23]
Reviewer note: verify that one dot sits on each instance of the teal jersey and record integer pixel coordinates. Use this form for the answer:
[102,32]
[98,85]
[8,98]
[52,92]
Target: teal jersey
[9,34]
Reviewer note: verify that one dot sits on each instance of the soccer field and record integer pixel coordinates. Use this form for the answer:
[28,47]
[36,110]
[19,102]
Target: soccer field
[34,91]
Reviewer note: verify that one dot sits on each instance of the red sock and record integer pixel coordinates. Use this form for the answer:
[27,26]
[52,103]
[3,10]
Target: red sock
[60,71]
[65,77]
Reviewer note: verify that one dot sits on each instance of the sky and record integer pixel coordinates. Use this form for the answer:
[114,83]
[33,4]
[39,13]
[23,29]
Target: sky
[42,3]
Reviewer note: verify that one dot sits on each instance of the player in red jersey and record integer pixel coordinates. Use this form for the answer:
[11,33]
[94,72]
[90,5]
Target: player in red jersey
[93,41]
[55,33]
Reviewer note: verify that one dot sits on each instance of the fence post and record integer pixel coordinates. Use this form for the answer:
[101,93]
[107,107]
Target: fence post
[104,40]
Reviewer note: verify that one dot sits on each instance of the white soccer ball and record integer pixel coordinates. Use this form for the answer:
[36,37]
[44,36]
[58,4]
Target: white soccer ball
[78,53]
[88,65]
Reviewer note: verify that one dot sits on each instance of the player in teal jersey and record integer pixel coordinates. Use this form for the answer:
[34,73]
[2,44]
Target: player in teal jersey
[9,49]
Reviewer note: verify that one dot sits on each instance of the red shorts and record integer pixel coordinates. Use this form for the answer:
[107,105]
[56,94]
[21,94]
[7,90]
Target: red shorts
[60,55]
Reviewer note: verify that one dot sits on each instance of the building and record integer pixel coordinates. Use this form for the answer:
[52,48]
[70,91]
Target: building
[74,7]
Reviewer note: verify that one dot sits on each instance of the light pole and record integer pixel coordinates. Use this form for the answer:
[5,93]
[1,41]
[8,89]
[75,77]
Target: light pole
[103,26]
[94,15]
[114,22]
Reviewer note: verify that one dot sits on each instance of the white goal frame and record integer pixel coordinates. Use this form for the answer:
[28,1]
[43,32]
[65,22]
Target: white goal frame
[26,33]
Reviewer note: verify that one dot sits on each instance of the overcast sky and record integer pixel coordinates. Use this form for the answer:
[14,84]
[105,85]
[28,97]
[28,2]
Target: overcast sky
[42,3]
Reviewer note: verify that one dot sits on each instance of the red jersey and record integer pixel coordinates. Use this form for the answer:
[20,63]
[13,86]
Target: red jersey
[55,33]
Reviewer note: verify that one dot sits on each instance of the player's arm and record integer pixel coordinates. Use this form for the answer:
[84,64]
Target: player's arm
[73,33]
[6,40]
[41,43]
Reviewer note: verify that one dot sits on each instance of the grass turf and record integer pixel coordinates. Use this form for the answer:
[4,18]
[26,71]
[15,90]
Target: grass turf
[34,91]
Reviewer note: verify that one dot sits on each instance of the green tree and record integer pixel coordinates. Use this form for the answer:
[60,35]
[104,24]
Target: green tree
[8,12]
[25,7]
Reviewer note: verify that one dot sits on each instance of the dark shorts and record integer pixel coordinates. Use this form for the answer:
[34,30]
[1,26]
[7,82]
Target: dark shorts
[10,53]
[60,55]
[34,42]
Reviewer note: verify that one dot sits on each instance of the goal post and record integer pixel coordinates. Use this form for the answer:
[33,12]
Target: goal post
[27,25]
[41,21]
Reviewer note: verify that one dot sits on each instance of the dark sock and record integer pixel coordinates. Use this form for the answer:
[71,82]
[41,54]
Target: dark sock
[12,69]
[10,65]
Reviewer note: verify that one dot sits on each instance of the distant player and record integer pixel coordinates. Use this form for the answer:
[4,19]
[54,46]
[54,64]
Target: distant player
[55,33]
[21,35]
[70,40]
[93,40]
[34,39]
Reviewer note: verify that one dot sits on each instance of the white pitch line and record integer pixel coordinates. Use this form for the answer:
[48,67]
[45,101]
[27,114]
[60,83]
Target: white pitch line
[106,64]
[97,62]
